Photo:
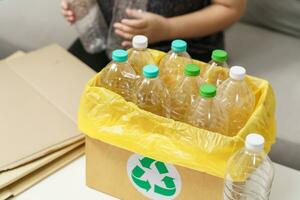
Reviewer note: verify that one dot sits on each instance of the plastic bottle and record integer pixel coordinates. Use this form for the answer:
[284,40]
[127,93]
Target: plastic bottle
[216,71]
[90,25]
[186,92]
[250,172]
[139,55]
[172,64]
[206,112]
[237,98]
[119,76]
[151,94]
[114,41]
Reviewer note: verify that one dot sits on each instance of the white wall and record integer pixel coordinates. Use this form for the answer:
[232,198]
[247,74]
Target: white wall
[30,24]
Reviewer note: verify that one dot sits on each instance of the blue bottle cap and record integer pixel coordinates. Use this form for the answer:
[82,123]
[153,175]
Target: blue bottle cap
[179,46]
[119,55]
[150,71]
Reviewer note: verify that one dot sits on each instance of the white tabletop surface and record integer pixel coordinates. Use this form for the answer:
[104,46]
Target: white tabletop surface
[69,183]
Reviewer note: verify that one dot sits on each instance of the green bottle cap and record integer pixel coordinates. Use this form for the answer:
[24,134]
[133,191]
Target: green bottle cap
[219,55]
[150,71]
[192,70]
[208,90]
[119,55]
[179,46]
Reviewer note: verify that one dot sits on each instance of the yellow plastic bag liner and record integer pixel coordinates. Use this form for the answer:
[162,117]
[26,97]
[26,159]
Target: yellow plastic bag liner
[106,116]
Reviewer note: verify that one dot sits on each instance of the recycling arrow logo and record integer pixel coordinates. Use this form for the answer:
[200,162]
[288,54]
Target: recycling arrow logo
[154,179]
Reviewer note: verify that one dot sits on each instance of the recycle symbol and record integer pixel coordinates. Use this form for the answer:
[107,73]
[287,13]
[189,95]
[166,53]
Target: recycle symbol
[167,188]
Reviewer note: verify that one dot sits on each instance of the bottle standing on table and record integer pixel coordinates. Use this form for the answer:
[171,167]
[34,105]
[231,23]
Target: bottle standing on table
[118,75]
[217,69]
[206,112]
[186,92]
[90,25]
[139,55]
[151,94]
[237,98]
[172,64]
[250,172]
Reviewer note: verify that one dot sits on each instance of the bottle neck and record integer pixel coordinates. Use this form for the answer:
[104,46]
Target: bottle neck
[256,152]
[219,64]
[119,62]
[190,77]
[139,49]
[207,99]
[179,53]
[150,79]
[237,81]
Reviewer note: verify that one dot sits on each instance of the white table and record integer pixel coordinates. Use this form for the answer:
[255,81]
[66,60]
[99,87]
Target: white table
[69,183]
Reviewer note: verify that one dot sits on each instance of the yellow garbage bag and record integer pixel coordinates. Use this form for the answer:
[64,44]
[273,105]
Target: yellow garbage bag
[106,116]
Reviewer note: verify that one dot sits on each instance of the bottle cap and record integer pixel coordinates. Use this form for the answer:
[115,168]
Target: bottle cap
[208,90]
[191,70]
[179,46]
[140,42]
[119,55]
[219,55]
[150,71]
[237,73]
[254,142]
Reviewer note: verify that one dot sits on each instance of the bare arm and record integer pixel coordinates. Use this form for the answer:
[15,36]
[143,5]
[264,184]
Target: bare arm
[216,17]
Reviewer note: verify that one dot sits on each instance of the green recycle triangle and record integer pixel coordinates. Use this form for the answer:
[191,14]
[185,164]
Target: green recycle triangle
[137,173]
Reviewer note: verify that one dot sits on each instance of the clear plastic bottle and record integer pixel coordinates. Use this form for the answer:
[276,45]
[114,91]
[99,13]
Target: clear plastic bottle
[139,55]
[172,64]
[217,69]
[118,75]
[114,41]
[237,98]
[151,94]
[250,172]
[206,112]
[90,25]
[186,92]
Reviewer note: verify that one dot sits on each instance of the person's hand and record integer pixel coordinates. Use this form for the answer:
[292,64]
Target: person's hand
[67,12]
[154,26]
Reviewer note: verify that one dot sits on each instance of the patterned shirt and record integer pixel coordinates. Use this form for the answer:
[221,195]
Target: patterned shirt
[199,48]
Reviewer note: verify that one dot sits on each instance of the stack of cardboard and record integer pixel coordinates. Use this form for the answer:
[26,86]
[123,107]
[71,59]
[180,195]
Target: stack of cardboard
[40,94]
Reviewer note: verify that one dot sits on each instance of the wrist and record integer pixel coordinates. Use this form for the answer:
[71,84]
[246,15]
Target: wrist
[168,29]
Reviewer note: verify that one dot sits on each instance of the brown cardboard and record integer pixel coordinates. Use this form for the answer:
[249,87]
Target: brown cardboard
[106,172]
[40,94]
[10,176]
[38,175]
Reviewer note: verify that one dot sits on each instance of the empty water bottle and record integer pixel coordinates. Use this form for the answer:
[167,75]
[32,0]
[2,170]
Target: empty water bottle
[216,71]
[250,172]
[236,96]
[186,92]
[114,41]
[151,94]
[139,55]
[207,113]
[90,24]
[172,64]
[118,75]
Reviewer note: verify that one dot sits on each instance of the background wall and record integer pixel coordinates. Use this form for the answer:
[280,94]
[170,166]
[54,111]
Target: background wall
[30,24]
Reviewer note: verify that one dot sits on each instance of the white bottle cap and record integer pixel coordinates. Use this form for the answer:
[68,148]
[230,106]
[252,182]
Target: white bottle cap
[237,73]
[140,42]
[254,142]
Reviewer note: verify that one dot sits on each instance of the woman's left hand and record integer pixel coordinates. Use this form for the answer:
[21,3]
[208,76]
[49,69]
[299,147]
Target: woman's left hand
[153,26]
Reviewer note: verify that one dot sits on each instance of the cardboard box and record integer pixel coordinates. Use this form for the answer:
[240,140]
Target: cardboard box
[110,169]
[199,156]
